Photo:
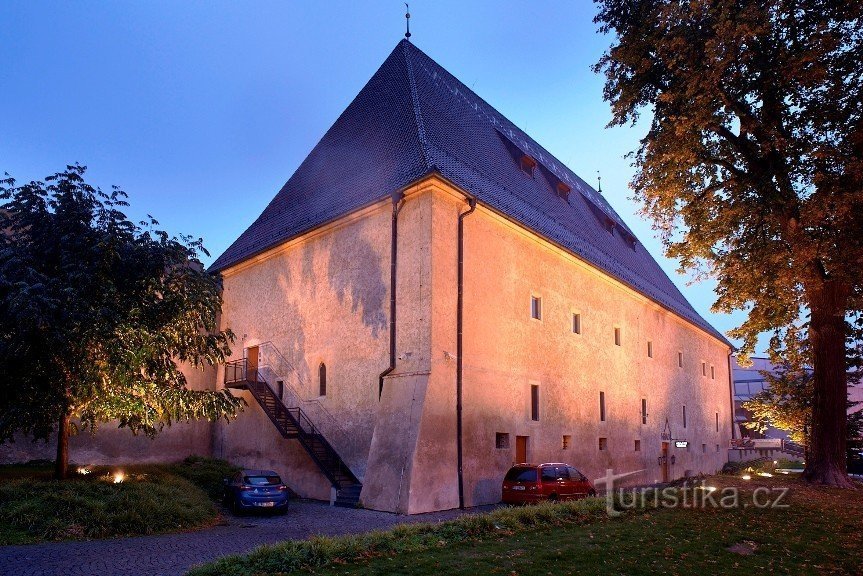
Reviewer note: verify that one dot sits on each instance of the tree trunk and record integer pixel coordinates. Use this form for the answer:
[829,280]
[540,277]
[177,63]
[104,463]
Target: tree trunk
[61,464]
[826,461]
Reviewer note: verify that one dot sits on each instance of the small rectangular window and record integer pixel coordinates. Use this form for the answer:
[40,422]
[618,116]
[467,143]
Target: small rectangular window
[617,336]
[717,447]
[534,402]
[576,323]
[644,410]
[603,443]
[536,307]
[649,349]
[602,406]
[680,359]
[704,448]
[638,445]
[712,373]
[567,441]
[501,440]
[684,416]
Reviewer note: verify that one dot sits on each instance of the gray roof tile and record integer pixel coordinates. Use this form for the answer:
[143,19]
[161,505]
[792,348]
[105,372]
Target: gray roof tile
[413,117]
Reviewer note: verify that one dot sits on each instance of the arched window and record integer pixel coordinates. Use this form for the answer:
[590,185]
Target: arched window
[322,378]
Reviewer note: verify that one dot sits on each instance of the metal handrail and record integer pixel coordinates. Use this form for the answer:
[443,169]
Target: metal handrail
[288,368]
[307,433]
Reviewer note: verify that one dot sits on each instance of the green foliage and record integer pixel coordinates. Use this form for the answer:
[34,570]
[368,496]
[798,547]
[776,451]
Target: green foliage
[753,166]
[96,311]
[320,551]
[752,170]
[150,500]
[786,404]
[820,533]
[206,473]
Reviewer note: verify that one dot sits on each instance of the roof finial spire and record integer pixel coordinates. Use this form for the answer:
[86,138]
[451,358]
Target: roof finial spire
[408,20]
[599,181]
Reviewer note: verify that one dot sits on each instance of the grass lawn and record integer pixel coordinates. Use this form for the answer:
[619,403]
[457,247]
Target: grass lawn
[151,499]
[820,532]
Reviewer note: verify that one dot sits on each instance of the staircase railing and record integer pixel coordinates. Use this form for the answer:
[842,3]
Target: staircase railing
[292,422]
[274,367]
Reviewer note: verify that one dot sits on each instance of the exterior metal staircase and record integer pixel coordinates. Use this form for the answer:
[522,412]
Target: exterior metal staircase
[293,423]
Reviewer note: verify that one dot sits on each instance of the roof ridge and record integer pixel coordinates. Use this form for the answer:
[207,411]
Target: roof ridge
[415,101]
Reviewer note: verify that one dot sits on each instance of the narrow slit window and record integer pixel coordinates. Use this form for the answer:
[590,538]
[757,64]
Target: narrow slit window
[322,379]
[603,443]
[617,336]
[638,445]
[536,307]
[680,359]
[602,406]
[713,373]
[704,368]
[534,402]
[649,349]
[717,421]
[684,416]
[576,323]
[704,448]
[644,410]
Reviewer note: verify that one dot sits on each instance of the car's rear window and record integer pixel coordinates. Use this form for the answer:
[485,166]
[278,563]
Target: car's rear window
[521,475]
[262,480]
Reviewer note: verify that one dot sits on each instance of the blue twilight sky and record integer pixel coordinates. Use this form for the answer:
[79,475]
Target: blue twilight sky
[202,110]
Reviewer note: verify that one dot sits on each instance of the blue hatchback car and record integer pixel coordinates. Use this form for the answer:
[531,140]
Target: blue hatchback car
[256,490]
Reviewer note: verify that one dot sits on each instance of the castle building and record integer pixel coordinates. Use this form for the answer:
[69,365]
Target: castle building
[433,296]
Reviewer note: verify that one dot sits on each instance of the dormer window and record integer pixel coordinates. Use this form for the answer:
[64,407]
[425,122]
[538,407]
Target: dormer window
[563,190]
[527,164]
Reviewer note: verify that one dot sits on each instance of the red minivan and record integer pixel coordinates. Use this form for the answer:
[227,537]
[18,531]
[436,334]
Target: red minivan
[530,483]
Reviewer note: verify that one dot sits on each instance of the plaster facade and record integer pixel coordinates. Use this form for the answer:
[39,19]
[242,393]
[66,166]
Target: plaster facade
[324,298]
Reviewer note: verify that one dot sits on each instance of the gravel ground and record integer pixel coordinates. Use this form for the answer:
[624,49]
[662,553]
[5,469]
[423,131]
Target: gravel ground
[173,554]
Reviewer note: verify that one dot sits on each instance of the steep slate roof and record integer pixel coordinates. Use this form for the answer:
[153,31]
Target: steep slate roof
[414,117]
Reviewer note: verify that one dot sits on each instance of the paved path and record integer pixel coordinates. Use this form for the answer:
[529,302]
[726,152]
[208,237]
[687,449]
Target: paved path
[173,554]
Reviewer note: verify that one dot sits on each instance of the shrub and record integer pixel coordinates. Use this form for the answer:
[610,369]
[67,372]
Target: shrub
[206,473]
[151,499]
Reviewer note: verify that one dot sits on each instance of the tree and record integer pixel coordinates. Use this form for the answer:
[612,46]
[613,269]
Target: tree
[752,170]
[95,313]
[786,404]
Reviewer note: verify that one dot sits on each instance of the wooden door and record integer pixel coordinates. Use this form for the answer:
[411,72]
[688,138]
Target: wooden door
[520,449]
[252,363]
[664,460]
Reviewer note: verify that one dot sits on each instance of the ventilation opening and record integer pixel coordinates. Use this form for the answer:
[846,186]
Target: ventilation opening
[563,190]
[527,164]
[501,440]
